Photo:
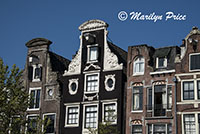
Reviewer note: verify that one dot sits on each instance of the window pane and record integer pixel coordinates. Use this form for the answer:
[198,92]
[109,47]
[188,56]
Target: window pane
[72,115]
[110,112]
[93,53]
[50,128]
[138,65]
[161,62]
[37,99]
[189,124]
[137,98]
[188,90]
[90,116]
[194,62]
[92,83]
[32,120]
[136,129]
[32,96]
[198,89]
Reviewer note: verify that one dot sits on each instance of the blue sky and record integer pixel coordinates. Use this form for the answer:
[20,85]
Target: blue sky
[58,21]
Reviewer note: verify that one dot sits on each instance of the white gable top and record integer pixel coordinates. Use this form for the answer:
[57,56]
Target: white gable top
[93,24]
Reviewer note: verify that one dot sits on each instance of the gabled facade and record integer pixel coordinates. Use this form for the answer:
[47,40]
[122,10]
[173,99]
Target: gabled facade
[188,84]
[94,82]
[150,90]
[42,71]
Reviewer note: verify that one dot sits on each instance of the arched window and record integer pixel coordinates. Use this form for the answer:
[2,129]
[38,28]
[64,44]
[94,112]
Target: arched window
[138,66]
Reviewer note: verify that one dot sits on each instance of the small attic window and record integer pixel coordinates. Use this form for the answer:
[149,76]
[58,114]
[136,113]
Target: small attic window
[161,62]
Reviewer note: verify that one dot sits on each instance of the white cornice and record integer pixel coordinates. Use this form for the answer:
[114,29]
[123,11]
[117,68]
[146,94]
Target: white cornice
[162,72]
[92,24]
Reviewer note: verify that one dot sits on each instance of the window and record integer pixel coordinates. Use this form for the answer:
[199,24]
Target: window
[51,127]
[92,83]
[198,89]
[161,62]
[90,117]
[188,90]
[138,67]
[159,129]
[149,106]
[195,62]
[35,72]
[32,124]
[110,114]
[169,97]
[137,98]
[34,98]
[72,116]
[189,124]
[136,129]
[92,53]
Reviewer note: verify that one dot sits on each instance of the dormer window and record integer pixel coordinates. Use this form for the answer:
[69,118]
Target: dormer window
[195,61]
[35,69]
[138,66]
[92,53]
[161,62]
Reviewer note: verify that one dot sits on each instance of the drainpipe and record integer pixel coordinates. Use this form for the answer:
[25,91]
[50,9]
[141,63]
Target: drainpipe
[175,112]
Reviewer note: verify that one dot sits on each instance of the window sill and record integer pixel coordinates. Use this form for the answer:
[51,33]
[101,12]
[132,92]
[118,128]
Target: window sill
[34,109]
[136,111]
[94,61]
[138,74]
[35,80]
[74,125]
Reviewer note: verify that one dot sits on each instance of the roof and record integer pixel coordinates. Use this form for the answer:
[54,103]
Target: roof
[58,63]
[38,42]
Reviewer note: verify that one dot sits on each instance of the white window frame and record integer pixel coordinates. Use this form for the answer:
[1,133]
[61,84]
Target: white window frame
[190,62]
[85,83]
[157,62]
[30,89]
[33,77]
[153,124]
[103,111]
[54,122]
[66,115]
[136,62]
[195,91]
[196,120]
[88,53]
[85,130]
[137,110]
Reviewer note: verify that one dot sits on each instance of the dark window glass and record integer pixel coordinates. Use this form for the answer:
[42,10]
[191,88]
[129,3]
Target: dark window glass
[149,107]
[50,128]
[195,62]
[198,90]
[35,99]
[137,98]
[136,129]
[169,97]
[73,86]
[32,124]
[110,83]
[188,90]
[159,129]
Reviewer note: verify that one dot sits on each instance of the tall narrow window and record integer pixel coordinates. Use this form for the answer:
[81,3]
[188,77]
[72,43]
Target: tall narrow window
[92,83]
[90,117]
[93,53]
[72,115]
[149,106]
[35,99]
[169,97]
[189,124]
[137,98]
[198,89]
[110,113]
[195,62]
[136,129]
[51,127]
[188,90]
[138,66]
[32,124]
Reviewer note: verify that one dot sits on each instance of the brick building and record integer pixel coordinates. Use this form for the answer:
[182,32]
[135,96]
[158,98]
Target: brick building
[42,71]
[188,84]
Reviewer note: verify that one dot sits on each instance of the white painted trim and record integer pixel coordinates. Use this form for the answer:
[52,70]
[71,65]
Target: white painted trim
[71,104]
[134,62]
[136,111]
[111,76]
[108,100]
[85,83]
[54,122]
[35,88]
[196,120]
[84,130]
[115,113]
[70,88]
[162,72]
[190,63]
[87,72]
[34,67]
[90,102]
[88,53]
[66,116]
